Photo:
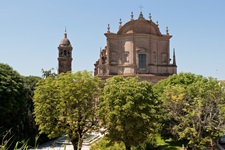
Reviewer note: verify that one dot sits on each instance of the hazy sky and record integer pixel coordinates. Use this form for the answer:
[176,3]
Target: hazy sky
[31,31]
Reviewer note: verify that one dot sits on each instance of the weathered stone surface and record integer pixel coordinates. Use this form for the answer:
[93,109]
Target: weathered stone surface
[137,49]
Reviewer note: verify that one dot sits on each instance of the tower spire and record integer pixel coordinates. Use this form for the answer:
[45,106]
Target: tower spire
[174,57]
[65,33]
[100,51]
[100,56]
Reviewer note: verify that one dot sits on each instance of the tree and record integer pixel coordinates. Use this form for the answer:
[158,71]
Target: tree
[66,105]
[11,87]
[30,127]
[128,110]
[48,73]
[16,105]
[193,108]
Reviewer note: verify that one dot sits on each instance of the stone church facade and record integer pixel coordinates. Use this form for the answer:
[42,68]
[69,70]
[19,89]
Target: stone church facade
[137,49]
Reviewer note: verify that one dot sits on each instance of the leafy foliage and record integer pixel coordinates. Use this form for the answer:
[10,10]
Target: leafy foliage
[12,98]
[156,144]
[16,106]
[30,126]
[193,108]
[48,73]
[128,109]
[104,144]
[66,105]
[12,103]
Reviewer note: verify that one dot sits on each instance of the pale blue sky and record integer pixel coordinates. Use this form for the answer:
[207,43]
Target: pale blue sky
[31,31]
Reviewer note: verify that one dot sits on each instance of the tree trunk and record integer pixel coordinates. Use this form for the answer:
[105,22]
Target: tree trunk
[128,147]
[80,144]
[193,147]
[211,144]
[75,144]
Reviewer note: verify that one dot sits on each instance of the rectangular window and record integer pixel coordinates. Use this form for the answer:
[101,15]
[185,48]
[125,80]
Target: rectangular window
[142,60]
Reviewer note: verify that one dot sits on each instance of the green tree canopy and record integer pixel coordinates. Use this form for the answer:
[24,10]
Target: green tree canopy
[31,130]
[128,110]
[66,105]
[48,73]
[11,98]
[16,94]
[193,108]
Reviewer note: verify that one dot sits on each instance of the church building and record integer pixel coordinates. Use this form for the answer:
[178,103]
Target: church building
[137,49]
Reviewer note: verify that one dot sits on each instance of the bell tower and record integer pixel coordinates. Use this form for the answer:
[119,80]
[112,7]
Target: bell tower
[65,55]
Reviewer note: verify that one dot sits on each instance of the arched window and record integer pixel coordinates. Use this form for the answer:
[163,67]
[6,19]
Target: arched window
[64,52]
[61,53]
[68,54]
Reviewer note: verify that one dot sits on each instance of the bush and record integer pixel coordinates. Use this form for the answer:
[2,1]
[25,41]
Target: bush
[105,144]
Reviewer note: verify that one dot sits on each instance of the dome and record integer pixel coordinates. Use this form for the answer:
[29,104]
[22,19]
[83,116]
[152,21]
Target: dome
[140,26]
[65,40]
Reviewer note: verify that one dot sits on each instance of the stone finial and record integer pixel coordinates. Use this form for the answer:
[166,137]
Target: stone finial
[65,34]
[150,17]
[120,22]
[141,17]
[157,23]
[167,31]
[108,29]
[131,16]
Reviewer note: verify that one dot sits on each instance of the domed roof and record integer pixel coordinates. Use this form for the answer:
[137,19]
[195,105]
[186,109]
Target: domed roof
[140,25]
[65,40]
